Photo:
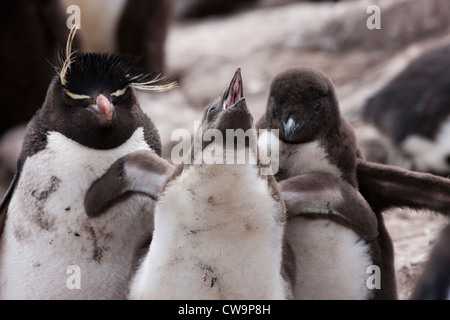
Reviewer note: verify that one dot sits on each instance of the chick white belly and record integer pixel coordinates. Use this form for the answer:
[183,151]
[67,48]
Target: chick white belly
[47,230]
[206,246]
[332,261]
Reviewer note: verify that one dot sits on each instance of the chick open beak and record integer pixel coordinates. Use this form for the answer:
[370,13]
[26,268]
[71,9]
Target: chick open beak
[235,91]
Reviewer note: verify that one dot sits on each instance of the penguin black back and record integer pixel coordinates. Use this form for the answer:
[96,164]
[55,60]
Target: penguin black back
[416,100]
[143,29]
[412,111]
[31,32]
[192,9]
[434,282]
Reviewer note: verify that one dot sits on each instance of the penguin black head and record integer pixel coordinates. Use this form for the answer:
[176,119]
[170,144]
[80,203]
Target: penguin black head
[92,100]
[302,105]
[230,110]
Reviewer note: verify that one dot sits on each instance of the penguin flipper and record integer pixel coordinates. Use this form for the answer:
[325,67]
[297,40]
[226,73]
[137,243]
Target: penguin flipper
[142,172]
[324,196]
[7,197]
[387,186]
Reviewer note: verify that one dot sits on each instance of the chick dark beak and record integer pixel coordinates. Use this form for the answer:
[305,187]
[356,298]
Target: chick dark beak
[235,91]
[292,128]
[103,108]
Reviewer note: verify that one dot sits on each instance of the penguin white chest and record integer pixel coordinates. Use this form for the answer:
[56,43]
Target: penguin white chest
[47,230]
[304,158]
[216,237]
[297,159]
[331,260]
[430,155]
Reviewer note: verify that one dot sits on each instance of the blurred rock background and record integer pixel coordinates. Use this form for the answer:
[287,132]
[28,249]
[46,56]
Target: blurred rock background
[264,37]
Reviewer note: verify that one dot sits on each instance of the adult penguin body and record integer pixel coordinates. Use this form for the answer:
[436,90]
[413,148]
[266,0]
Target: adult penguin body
[412,112]
[89,119]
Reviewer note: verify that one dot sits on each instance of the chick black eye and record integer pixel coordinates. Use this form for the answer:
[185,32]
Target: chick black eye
[275,113]
[317,107]
[212,109]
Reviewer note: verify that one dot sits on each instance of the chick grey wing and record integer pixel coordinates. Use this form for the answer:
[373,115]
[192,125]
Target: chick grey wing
[7,197]
[324,196]
[388,186]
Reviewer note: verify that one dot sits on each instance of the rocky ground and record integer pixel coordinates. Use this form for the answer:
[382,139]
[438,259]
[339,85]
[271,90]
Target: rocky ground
[333,37]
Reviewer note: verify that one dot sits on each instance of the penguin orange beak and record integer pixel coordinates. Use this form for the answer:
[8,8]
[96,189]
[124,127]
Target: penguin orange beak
[235,91]
[103,108]
[291,128]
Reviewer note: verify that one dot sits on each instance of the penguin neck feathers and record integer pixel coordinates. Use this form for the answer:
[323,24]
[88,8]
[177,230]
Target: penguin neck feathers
[341,147]
[301,158]
[58,141]
[35,138]
[333,153]
[228,186]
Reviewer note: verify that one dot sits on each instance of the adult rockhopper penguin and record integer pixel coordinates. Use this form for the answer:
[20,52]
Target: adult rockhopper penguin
[89,119]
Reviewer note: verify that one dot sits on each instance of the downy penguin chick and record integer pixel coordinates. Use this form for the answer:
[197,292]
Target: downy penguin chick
[315,138]
[218,225]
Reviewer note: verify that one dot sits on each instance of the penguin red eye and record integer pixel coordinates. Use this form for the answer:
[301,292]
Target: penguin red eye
[317,108]
[74,108]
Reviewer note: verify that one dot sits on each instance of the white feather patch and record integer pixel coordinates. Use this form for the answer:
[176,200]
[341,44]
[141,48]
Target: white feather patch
[76,96]
[429,155]
[302,158]
[216,237]
[331,260]
[47,229]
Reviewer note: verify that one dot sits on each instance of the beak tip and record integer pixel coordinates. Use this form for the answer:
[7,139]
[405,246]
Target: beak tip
[105,106]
